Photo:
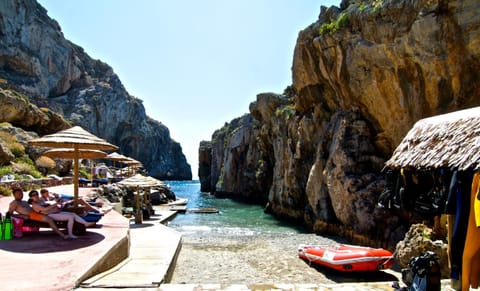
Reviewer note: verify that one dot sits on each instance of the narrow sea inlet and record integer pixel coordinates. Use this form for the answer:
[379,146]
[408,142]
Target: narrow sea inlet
[233,219]
[243,245]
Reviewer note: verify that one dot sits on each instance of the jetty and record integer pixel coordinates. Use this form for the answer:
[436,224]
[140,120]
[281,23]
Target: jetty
[183,208]
[203,210]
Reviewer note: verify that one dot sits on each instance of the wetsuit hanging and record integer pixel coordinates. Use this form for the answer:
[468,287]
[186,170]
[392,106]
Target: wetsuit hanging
[458,204]
[471,253]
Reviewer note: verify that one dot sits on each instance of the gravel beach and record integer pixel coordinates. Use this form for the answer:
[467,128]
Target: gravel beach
[262,259]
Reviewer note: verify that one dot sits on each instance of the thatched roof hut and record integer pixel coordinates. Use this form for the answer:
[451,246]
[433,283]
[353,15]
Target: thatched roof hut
[450,141]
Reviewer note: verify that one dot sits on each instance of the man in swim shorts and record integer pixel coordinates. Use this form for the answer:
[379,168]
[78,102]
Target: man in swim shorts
[24,209]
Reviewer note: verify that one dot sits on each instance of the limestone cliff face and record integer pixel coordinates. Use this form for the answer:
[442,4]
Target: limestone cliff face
[362,75]
[36,60]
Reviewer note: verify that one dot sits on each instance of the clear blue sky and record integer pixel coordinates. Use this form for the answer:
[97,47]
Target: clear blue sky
[195,64]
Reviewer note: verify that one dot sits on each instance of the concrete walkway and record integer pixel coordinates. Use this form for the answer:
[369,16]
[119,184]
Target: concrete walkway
[153,252]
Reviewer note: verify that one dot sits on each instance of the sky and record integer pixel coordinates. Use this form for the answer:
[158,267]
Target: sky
[195,64]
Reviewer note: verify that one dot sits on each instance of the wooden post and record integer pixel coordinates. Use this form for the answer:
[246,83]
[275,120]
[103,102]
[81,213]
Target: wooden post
[75,175]
[138,212]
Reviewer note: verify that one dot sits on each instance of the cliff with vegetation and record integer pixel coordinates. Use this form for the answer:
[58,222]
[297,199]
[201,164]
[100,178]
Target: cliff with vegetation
[362,75]
[53,73]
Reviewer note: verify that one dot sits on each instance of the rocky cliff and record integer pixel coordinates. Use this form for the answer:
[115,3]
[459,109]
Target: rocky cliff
[36,60]
[361,76]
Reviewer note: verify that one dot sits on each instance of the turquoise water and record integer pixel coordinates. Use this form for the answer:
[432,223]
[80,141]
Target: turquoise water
[234,218]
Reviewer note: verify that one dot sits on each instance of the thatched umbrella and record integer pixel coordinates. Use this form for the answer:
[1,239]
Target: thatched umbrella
[132,163]
[116,157]
[77,139]
[70,154]
[450,140]
[140,181]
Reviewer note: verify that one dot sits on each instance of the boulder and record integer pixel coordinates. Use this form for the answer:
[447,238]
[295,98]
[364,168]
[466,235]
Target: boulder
[416,242]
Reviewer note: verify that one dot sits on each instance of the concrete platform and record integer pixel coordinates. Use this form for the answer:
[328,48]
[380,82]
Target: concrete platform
[44,261]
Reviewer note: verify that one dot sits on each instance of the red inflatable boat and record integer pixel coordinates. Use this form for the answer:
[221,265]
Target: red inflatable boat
[347,258]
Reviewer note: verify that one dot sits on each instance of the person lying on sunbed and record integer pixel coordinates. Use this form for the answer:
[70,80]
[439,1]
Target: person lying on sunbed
[54,212]
[48,197]
[26,211]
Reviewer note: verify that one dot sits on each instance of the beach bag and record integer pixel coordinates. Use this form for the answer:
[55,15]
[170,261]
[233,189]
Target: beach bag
[423,273]
[17,226]
[30,228]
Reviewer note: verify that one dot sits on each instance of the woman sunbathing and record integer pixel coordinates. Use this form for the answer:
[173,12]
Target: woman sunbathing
[54,212]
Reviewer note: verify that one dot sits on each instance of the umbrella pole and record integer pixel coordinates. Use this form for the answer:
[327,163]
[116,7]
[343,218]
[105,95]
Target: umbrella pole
[138,214]
[92,169]
[75,173]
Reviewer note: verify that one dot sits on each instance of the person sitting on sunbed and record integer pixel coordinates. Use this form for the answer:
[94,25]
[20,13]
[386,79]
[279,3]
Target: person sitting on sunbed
[26,211]
[53,211]
[66,202]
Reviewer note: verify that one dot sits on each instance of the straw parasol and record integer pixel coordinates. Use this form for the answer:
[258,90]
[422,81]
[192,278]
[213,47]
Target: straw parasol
[77,139]
[132,163]
[116,157]
[450,140]
[70,154]
[140,181]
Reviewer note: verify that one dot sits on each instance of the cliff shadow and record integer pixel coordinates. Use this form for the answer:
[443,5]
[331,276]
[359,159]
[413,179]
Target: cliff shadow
[354,277]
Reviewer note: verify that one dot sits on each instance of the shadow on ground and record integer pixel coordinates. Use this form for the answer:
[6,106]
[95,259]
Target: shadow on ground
[140,225]
[46,241]
[353,277]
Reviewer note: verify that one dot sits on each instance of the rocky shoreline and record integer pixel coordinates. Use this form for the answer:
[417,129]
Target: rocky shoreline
[262,259]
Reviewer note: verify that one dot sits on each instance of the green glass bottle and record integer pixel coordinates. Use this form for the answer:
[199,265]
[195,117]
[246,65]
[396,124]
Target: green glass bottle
[1,227]
[8,227]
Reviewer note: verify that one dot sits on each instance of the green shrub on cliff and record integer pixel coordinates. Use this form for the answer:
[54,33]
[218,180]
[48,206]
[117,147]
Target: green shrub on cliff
[5,190]
[26,169]
[11,141]
[287,111]
[5,170]
[342,21]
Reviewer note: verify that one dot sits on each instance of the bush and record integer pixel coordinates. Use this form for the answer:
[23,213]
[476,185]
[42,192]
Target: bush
[341,22]
[286,111]
[5,170]
[83,173]
[24,159]
[45,162]
[25,168]
[15,147]
[5,190]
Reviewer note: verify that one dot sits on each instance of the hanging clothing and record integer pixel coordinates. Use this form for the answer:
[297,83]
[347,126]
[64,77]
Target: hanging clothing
[458,204]
[476,206]
[471,253]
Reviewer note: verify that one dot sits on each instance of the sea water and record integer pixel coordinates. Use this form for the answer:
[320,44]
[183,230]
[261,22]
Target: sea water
[233,219]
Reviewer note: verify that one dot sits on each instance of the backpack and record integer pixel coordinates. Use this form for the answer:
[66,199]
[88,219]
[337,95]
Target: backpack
[423,273]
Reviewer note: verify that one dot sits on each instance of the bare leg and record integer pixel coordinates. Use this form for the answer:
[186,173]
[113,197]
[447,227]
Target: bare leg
[78,219]
[65,216]
[53,226]
[87,205]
